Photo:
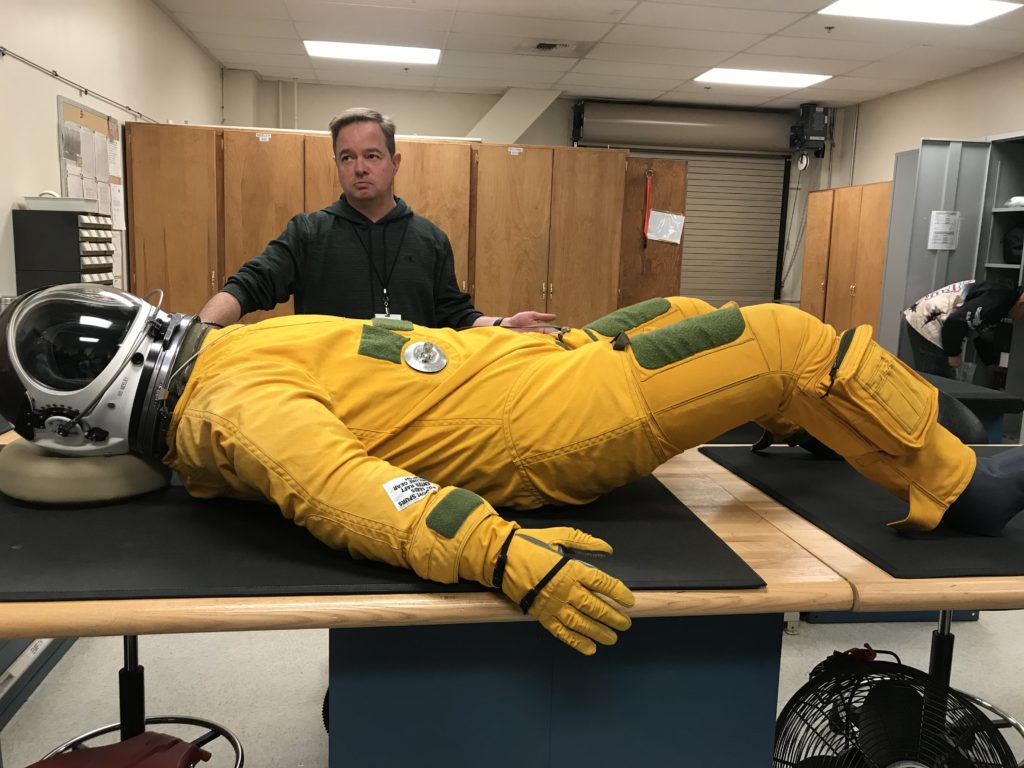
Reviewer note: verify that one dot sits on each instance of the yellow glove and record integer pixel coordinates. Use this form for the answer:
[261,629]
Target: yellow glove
[535,570]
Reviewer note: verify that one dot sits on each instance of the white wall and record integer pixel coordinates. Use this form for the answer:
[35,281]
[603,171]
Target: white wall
[127,50]
[982,102]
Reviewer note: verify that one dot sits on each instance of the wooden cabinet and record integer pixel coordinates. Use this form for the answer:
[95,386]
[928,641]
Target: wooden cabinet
[262,191]
[844,254]
[173,207]
[650,268]
[547,230]
[513,223]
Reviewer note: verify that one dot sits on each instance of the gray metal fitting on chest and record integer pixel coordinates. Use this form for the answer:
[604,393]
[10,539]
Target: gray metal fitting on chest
[425,357]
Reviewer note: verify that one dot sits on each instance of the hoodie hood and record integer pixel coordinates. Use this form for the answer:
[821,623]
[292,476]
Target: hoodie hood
[343,210]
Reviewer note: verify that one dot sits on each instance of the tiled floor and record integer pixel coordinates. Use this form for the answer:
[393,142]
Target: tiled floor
[268,687]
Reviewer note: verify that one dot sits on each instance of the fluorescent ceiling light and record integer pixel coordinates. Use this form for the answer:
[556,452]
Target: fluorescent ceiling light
[758,77]
[397,54]
[962,12]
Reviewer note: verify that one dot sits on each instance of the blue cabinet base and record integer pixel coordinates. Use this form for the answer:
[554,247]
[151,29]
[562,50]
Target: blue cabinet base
[674,691]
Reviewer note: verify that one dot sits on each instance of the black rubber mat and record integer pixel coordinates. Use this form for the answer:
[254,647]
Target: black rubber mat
[744,434]
[167,544]
[853,510]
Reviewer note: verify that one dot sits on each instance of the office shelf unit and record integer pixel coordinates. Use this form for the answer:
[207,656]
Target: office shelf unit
[53,247]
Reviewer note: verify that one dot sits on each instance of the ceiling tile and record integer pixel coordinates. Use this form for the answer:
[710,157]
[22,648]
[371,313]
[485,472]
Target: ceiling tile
[590,67]
[248,43]
[363,16]
[373,79]
[824,48]
[967,58]
[827,98]
[416,5]
[688,98]
[875,84]
[796,6]
[235,25]
[345,32]
[306,74]
[576,10]
[473,41]
[1011,20]
[863,30]
[612,81]
[791,64]
[256,59]
[633,34]
[450,85]
[253,9]
[619,94]
[522,78]
[985,38]
[709,18]
[720,89]
[643,54]
[524,26]
[506,60]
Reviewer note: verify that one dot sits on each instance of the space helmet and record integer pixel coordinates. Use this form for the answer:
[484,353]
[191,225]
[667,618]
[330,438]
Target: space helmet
[85,369]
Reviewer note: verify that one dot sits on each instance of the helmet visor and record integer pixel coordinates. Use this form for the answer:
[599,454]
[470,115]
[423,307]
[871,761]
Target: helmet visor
[65,338]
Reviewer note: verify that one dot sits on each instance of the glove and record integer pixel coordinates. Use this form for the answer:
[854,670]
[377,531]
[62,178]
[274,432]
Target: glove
[535,570]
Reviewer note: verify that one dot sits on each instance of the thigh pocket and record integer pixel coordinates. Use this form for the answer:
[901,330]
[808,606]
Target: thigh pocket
[878,395]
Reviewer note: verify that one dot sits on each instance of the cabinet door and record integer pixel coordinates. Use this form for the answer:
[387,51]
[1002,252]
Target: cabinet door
[869,266]
[842,263]
[648,269]
[321,184]
[433,179]
[817,238]
[513,210]
[586,233]
[173,224]
[263,189]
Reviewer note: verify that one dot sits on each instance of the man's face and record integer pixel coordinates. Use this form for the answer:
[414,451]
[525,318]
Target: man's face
[365,169]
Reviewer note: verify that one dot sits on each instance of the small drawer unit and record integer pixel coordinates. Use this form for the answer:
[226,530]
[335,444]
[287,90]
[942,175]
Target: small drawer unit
[53,247]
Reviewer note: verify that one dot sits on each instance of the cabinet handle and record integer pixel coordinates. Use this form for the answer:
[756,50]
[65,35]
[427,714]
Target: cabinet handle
[213,280]
[551,290]
[853,289]
[543,291]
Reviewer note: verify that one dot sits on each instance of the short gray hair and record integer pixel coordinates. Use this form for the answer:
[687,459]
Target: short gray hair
[364,115]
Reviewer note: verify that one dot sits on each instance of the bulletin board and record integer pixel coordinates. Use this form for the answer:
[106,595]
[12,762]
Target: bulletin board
[91,166]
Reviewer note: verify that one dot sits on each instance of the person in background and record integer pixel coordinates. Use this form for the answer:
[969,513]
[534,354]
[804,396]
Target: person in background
[366,255]
[939,323]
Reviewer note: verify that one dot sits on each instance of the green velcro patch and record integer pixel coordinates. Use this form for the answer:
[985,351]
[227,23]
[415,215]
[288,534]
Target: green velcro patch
[687,337]
[382,344]
[391,324]
[451,512]
[630,317]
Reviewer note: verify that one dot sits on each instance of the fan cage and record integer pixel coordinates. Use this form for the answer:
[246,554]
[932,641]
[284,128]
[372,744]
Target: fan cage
[820,725]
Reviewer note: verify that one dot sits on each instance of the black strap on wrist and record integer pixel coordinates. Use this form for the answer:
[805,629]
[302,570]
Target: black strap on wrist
[499,565]
[530,596]
[499,321]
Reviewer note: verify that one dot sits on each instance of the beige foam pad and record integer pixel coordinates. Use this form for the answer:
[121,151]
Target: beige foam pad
[30,473]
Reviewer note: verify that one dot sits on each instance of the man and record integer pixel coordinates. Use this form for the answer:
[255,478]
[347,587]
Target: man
[366,255]
[939,323]
[395,442]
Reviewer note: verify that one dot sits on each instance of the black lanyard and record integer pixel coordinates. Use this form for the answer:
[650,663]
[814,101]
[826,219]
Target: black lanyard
[386,280]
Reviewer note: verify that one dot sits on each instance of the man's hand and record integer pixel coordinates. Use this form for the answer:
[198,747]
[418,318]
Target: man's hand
[537,572]
[529,320]
[954,362]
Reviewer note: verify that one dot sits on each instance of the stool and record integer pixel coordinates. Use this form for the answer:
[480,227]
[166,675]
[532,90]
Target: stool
[173,752]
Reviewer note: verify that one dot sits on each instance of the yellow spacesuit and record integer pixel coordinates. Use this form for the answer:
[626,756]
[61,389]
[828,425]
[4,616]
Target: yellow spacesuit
[393,441]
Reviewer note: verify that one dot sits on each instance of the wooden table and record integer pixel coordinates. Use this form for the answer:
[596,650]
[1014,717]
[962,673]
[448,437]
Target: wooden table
[696,666]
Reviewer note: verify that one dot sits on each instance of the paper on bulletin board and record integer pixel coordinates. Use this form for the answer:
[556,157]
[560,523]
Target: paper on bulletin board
[666,227]
[117,205]
[943,230]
